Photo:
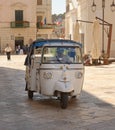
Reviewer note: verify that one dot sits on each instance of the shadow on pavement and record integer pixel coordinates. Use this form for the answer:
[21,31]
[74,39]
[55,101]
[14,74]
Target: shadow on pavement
[17,111]
[13,80]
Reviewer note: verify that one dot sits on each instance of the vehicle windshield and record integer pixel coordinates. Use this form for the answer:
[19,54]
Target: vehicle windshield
[61,55]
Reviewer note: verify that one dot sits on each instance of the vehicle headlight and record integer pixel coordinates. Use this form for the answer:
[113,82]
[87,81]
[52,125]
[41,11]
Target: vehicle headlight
[78,75]
[47,75]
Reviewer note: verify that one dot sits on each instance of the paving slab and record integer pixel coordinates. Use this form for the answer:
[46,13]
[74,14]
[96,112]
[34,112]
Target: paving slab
[94,110]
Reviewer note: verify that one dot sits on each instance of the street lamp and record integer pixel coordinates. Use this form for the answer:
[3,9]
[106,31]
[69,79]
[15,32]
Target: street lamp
[112,6]
[93,8]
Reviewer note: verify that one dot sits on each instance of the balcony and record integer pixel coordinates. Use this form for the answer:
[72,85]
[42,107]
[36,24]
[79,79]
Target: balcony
[19,24]
[45,26]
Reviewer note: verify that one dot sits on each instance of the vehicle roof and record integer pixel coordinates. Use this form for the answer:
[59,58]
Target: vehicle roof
[42,42]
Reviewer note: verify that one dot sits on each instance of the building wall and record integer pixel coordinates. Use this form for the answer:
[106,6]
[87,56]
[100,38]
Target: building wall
[7,15]
[30,12]
[70,19]
[84,13]
[45,10]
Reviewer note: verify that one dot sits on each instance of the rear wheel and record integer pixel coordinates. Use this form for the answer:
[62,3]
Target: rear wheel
[64,100]
[30,94]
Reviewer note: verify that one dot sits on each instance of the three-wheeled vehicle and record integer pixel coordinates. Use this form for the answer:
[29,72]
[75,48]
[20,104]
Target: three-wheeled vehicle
[55,68]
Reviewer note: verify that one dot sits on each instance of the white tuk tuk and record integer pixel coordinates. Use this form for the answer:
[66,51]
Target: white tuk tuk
[55,68]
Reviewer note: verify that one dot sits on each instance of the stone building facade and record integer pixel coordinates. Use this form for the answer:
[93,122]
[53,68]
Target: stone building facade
[44,19]
[19,21]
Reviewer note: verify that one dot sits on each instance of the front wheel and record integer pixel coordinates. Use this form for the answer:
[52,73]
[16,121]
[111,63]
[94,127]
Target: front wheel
[30,94]
[64,100]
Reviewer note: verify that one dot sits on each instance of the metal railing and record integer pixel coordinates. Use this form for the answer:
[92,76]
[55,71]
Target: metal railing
[19,24]
[45,26]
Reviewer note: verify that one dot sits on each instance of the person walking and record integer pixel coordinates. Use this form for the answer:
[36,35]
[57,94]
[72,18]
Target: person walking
[8,50]
[27,62]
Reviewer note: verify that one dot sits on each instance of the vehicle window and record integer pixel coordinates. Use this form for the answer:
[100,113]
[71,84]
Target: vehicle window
[61,55]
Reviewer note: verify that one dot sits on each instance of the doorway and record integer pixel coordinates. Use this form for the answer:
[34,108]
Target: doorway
[19,41]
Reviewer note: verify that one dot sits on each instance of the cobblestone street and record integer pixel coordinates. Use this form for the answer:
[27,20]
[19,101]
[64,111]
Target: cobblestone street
[95,109]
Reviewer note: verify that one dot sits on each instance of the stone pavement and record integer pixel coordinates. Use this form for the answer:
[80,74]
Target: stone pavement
[95,110]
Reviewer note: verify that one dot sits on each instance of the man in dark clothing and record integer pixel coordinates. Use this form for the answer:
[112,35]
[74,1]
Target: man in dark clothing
[27,62]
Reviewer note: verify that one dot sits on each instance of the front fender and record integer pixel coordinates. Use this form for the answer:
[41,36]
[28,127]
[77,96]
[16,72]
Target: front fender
[62,86]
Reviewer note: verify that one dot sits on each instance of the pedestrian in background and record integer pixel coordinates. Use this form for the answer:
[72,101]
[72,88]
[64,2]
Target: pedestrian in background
[8,50]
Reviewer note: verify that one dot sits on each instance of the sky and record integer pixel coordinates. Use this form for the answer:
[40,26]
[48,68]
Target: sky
[58,6]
